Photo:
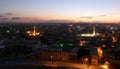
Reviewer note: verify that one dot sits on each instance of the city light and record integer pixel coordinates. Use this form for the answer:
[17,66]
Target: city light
[61,45]
[100,52]
[105,66]
[114,39]
[64,44]
[81,43]
[103,45]
[86,59]
[34,32]
[91,35]
[8,31]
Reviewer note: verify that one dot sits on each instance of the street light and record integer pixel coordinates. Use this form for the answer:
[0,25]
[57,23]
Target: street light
[51,59]
[86,59]
[86,62]
[105,66]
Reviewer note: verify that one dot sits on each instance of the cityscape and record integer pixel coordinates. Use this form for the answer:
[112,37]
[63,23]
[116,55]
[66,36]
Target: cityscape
[61,45]
[59,34]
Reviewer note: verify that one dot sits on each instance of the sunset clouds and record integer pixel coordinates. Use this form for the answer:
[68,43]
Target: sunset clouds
[64,10]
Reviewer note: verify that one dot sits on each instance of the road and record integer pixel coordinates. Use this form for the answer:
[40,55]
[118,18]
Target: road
[70,64]
[51,64]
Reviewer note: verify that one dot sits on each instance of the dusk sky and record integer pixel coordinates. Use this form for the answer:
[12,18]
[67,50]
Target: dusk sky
[73,10]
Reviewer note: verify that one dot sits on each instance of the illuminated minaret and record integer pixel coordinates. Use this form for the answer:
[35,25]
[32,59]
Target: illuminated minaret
[90,35]
[34,29]
[94,30]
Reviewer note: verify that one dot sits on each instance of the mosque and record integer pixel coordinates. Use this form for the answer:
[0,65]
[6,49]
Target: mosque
[33,32]
[88,34]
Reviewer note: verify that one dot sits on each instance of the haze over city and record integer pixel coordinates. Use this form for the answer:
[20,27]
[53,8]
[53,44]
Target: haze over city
[106,11]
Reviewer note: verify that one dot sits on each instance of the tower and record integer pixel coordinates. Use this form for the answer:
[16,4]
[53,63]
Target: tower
[34,29]
[94,30]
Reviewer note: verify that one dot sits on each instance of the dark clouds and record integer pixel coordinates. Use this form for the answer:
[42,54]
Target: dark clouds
[12,18]
[4,18]
[87,17]
[90,17]
[16,18]
[1,16]
[9,14]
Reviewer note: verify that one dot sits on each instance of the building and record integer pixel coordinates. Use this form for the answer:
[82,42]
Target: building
[94,56]
[34,32]
[93,34]
[58,53]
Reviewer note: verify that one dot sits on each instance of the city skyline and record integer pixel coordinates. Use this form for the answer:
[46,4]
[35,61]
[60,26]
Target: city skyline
[60,11]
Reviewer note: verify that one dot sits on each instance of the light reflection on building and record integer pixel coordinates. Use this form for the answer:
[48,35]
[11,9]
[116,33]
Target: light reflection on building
[100,52]
[114,39]
[82,42]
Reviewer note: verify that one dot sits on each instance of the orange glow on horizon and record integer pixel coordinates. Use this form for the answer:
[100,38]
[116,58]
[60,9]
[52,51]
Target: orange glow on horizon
[76,18]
